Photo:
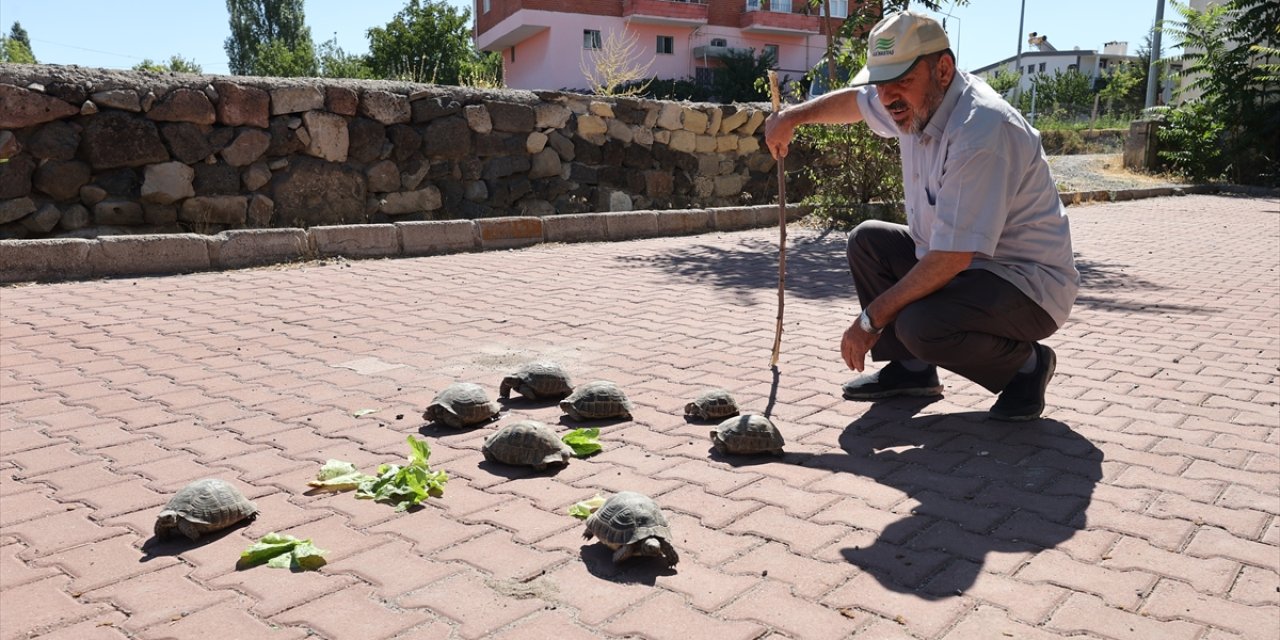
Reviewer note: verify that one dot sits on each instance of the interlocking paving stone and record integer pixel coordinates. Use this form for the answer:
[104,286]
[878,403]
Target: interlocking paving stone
[1151,484]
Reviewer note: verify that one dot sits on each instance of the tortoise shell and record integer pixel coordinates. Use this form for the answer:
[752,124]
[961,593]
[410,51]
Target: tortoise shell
[597,400]
[536,381]
[632,524]
[204,506]
[747,434]
[461,405]
[526,443]
[712,404]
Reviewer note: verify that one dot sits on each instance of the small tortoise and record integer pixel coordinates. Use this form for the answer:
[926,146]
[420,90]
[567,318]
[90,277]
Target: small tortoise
[204,506]
[536,381]
[713,404]
[461,405]
[632,525]
[526,443]
[596,401]
[747,434]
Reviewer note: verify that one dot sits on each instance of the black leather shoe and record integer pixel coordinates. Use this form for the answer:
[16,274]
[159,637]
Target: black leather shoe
[1023,398]
[894,380]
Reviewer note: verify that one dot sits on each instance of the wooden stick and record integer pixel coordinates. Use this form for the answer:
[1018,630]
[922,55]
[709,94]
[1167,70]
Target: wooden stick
[782,227]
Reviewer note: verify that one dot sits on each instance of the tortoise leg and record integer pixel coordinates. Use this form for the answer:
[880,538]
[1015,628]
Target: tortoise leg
[623,553]
[189,529]
[669,553]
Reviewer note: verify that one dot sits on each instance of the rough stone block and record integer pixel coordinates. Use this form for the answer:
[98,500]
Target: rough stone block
[682,141]
[149,254]
[385,107]
[576,227]
[695,121]
[735,218]
[240,105]
[632,224]
[685,222]
[514,231]
[355,240]
[296,99]
[238,248]
[60,259]
[443,236]
[591,125]
[231,210]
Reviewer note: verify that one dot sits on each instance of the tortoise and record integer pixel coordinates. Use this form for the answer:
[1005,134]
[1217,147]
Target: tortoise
[597,400]
[631,524]
[536,381]
[526,443]
[712,404]
[461,404]
[204,506]
[747,434]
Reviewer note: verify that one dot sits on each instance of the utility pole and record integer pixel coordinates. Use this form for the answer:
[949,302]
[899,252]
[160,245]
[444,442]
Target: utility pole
[1153,72]
[1017,60]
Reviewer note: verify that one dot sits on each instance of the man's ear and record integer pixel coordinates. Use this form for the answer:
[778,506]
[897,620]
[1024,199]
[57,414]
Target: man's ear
[946,69]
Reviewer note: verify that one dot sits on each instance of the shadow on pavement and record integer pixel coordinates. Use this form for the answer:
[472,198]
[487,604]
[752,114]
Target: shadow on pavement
[816,266]
[979,487]
[598,559]
[1100,282]
[177,545]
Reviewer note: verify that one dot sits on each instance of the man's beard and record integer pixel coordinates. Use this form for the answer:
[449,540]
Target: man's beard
[921,116]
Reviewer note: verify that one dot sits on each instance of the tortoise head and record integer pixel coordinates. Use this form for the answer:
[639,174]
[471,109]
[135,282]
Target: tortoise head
[166,523]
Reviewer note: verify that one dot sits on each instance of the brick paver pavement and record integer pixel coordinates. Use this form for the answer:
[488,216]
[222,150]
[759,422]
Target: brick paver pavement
[1145,505]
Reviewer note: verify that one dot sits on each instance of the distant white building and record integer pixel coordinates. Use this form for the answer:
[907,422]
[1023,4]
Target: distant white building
[1044,58]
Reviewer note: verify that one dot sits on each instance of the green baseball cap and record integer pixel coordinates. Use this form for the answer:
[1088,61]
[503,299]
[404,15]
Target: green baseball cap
[896,42]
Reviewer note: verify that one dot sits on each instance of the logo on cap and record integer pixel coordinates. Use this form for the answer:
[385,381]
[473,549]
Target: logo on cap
[884,47]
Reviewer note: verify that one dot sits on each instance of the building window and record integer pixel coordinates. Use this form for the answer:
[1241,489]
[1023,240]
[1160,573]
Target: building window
[839,8]
[666,44]
[1041,67]
[513,53]
[772,51]
[485,5]
[590,38]
[719,42]
[1031,68]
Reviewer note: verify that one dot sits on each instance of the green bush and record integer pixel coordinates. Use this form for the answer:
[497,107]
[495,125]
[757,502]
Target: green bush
[849,166]
[1191,142]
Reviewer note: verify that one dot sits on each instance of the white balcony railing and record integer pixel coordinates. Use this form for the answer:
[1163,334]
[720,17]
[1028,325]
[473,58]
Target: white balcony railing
[778,6]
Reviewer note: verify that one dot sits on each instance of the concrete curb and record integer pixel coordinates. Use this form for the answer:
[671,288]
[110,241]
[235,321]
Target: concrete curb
[160,254]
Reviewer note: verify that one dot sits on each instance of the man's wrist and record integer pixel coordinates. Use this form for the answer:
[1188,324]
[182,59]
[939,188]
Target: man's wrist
[865,323]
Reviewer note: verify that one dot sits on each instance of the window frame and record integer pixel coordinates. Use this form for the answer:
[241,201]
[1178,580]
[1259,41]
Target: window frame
[670,41]
[591,40]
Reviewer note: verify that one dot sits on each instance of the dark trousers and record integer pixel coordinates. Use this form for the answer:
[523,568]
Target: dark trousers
[978,325]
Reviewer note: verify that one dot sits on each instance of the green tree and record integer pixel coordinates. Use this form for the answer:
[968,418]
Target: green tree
[1003,81]
[1061,95]
[336,63]
[17,46]
[1239,103]
[736,81]
[484,69]
[176,64]
[426,41]
[1119,92]
[269,37]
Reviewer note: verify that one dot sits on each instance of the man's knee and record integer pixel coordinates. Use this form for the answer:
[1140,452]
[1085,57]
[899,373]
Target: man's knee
[865,237]
[922,332]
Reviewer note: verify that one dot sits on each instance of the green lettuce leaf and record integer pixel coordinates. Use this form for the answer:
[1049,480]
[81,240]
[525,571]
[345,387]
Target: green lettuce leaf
[583,442]
[408,485]
[267,547]
[585,508]
[307,557]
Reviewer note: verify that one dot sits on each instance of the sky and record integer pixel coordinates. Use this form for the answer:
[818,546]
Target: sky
[120,34]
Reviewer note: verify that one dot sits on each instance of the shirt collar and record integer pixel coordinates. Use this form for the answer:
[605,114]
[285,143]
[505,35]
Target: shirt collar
[938,123]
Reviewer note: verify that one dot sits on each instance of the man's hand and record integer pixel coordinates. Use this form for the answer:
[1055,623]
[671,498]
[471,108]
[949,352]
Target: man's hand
[778,131]
[854,346]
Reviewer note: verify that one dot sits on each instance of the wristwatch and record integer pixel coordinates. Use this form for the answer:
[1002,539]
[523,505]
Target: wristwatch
[864,323]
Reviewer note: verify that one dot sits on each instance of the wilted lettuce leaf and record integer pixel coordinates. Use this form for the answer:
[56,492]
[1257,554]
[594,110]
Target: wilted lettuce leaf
[307,557]
[585,508]
[583,441]
[334,468]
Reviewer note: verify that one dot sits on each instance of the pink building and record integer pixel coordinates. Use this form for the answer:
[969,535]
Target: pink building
[543,42]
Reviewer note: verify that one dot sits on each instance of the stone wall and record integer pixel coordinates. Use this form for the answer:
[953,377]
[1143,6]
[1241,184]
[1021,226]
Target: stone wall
[89,152]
